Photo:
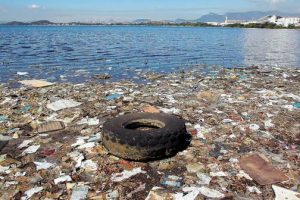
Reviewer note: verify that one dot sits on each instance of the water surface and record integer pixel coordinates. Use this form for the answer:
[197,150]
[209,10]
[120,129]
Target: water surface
[76,53]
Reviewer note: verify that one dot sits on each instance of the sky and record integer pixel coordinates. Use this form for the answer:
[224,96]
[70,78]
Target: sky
[126,10]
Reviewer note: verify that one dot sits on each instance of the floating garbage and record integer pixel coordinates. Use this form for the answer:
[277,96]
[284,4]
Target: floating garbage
[63,104]
[172,181]
[261,170]
[126,174]
[62,179]
[296,105]
[285,194]
[29,193]
[113,97]
[79,193]
[52,138]
[36,83]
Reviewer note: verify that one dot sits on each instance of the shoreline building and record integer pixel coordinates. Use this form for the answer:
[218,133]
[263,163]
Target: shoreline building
[284,21]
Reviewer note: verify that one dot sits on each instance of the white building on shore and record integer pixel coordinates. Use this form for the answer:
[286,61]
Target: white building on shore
[284,21]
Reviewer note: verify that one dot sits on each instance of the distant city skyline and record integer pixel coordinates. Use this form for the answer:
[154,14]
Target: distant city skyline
[126,10]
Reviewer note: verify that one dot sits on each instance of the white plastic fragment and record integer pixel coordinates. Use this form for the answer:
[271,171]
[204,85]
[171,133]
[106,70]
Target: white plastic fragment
[78,142]
[36,83]
[269,124]
[79,193]
[76,156]
[118,177]
[285,194]
[199,131]
[29,193]
[4,170]
[65,178]
[22,73]
[204,179]
[62,104]
[24,144]
[243,174]
[210,192]
[31,149]
[43,165]
[219,174]
[254,127]
[170,111]
[193,192]
[253,189]
[18,174]
[86,145]
[89,121]
[89,165]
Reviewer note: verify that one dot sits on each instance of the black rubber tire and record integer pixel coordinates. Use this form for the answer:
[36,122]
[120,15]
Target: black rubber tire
[143,145]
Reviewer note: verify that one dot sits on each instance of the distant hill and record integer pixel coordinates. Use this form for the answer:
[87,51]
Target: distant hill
[138,21]
[252,15]
[40,22]
[16,23]
[211,17]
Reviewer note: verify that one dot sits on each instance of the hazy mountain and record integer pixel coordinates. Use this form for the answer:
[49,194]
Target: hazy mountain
[16,23]
[252,15]
[138,21]
[211,17]
[40,22]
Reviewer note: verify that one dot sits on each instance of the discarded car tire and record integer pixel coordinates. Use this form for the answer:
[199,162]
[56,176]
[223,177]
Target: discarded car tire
[144,136]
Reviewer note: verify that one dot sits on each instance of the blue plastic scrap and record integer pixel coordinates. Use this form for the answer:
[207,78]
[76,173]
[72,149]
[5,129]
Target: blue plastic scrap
[113,97]
[296,105]
[25,109]
[3,118]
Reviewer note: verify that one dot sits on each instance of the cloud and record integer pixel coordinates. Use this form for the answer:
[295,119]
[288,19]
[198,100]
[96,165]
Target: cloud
[270,2]
[276,1]
[34,6]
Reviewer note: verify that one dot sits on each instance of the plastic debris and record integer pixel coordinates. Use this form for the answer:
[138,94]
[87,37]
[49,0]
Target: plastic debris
[63,104]
[192,193]
[126,174]
[24,144]
[3,118]
[261,170]
[89,165]
[65,178]
[204,179]
[78,157]
[172,181]
[218,174]
[89,121]
[36,83]
[31,149]
[50,126]
[43,165]
[296,105]
[210,192]
[254,127]
[79,193]
[22,73]
[285,194]
[29,193]
[113,97]
[220,122]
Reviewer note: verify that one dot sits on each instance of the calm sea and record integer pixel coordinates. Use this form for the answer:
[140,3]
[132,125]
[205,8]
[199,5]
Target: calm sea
[75,53]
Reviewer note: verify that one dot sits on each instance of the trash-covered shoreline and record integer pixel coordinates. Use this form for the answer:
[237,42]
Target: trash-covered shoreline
[244,124]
